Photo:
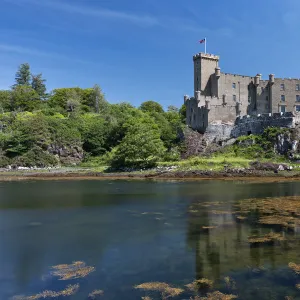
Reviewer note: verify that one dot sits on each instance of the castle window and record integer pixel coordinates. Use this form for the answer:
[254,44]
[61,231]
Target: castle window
[282,108]
[282,98]
[297,87]
[297,98]
[297,107]
[234,97]
[267,98]
[233,85]
[282,87]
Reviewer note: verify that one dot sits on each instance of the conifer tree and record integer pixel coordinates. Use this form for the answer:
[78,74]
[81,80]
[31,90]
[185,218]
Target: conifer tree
[23,75]
[38,84]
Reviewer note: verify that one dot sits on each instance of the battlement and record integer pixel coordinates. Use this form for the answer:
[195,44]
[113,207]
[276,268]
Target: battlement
[263,117]
[287,79]
[256,124]
[237,75]
[206,56]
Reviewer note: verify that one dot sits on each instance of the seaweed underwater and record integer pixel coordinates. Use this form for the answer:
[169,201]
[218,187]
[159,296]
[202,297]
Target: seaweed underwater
[76,270]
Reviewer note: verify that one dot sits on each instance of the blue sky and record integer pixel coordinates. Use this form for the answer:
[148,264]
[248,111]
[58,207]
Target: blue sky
[142,50]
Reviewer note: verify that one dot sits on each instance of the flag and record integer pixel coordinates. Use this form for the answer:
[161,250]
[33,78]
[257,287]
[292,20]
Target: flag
[202,41]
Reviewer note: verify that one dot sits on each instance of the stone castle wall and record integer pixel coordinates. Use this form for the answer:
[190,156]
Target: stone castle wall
[257,124]
[246,125]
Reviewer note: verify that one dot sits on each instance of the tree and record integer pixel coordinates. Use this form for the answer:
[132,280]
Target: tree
[98,99]
[60,97]
[23,75]
[38,84]
[151,106]
[141,147]
[94,132]
[29,131]
[24,98]
[73,101]
[172,108]
[5,101]
[182,112]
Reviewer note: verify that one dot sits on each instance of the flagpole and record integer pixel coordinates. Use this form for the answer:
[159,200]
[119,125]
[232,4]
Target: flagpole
[205,46]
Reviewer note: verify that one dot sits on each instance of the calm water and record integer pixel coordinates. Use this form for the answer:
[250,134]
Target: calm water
[136,232]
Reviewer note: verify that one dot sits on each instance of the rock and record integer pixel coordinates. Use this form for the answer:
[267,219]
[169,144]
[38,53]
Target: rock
[280,168]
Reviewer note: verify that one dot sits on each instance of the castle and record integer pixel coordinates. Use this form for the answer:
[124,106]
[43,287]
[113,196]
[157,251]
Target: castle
[222,98]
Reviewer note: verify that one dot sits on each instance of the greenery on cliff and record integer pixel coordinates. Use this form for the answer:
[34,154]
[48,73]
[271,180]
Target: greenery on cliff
[75,126]
[69,126]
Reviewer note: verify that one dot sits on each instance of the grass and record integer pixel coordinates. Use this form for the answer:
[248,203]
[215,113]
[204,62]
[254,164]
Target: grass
[214,163]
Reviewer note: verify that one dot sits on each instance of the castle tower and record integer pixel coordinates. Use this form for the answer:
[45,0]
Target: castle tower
[205,65]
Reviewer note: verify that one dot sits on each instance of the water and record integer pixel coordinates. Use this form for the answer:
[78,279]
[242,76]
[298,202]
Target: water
[134,232]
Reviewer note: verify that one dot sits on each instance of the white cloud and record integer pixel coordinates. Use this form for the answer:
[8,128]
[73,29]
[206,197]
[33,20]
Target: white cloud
[36,52]
[94,12]
[167,22]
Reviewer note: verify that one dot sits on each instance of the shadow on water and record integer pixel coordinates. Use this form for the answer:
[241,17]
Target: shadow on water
[156,239]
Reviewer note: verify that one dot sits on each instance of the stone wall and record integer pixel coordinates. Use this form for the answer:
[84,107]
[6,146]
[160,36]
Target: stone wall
[256,124]
[218,132]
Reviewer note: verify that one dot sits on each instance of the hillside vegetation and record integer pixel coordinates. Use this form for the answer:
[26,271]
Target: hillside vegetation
[75,126]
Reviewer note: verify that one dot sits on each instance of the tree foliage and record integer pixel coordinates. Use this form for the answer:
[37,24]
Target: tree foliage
[38,84]
[151,106]
[23,75]
[39,129]
[141,146]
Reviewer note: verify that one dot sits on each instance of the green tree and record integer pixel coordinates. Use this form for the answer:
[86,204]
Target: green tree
[141,146]
[182,113]
[28,131]
[5,101]
[23,75]
[73,101]
[60,97]
[38,84]
[98,99]
[95,132]
[24,98]
[151,106]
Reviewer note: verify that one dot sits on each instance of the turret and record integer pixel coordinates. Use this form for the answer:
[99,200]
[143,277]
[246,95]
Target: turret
[271,79]
[217,72]
[186,98]
[257,79]
[204,66]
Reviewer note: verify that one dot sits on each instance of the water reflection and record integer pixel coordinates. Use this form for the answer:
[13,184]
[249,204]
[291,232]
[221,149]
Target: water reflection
[221,239]
[137,232]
